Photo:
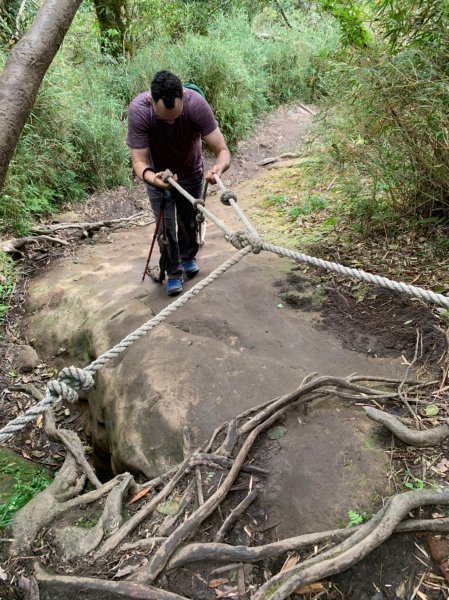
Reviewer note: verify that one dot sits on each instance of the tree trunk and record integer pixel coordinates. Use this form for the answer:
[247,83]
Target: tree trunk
[25,70]
[112,18]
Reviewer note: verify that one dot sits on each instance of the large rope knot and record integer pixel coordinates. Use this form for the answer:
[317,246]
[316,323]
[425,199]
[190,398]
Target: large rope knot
[240,239]
[58,390]
[227,196]
[78,379]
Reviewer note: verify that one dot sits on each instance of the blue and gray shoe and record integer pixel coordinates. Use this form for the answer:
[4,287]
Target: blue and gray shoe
[174,286]
[190,267]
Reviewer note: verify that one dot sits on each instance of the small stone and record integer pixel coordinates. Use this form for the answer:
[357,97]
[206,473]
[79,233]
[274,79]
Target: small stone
[24,358]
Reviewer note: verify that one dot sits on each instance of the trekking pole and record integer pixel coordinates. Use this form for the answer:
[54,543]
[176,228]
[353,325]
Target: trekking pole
[156,230]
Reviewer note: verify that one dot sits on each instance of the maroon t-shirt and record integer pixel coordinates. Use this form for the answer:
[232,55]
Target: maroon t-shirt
[178,146]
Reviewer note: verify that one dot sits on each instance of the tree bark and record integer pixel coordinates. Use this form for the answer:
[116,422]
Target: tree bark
[25,70]
[112,18]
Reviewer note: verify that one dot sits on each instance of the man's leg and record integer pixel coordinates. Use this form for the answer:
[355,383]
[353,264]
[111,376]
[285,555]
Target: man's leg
[188,228]
[174,267]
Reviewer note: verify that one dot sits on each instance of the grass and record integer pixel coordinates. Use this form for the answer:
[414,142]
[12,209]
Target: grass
[24,489]
[7,283]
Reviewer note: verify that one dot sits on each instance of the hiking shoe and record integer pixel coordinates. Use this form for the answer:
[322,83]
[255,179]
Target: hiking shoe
[190,267]
[174,286]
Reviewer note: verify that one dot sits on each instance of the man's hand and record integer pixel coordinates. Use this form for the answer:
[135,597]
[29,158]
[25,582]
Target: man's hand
[157,181]
[216,170]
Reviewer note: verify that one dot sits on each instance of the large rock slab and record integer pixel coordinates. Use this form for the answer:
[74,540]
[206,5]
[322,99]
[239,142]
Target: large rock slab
[228,349]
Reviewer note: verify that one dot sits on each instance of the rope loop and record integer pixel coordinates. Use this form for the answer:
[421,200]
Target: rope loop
[197,203]
[58,390]
[78,379]
[242,238]
[226,198]
[200,218]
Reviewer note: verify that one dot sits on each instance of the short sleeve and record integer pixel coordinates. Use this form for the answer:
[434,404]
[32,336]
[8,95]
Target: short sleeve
[138,127]
[203,116]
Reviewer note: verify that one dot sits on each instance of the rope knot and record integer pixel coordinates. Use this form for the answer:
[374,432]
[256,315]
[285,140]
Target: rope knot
[241,238]
[78,379]
[226,198]
[58,390]
[198,203]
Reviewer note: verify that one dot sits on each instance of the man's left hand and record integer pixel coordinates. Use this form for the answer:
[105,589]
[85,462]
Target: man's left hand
[216,170]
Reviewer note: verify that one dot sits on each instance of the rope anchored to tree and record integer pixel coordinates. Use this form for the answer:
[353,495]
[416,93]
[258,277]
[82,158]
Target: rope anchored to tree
[71,380]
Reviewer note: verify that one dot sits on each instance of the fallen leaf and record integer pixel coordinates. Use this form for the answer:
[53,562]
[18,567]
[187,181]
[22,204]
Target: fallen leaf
[3,575]
[276,432]
[213,583]
[139,495]
[170,507]
[310,588]
[290,562]
[432,410]
[39,420]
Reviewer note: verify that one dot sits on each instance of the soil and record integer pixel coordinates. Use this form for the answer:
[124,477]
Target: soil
[382,324]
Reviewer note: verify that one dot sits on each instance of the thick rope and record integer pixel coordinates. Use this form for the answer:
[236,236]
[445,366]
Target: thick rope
[200,207]
[71,379]
[397,286]
[232,202]
[160,317]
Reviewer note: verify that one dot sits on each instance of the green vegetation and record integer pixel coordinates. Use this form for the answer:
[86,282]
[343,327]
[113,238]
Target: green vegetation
[26,486]
[385,123]
[378,69]
[356,518]
[7,281]
[244,58]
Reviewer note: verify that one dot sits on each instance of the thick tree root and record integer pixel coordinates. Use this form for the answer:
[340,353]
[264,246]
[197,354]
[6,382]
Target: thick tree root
[355,548]
[228,452]
[114,588]
[218,552]
[420,439]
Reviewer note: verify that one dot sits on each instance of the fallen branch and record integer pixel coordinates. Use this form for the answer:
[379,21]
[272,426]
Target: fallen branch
[127,589]
[419,439]
[273,159]
[86,226]
[16,245]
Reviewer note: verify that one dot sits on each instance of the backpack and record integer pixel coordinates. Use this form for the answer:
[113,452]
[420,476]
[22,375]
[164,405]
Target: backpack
[192,86]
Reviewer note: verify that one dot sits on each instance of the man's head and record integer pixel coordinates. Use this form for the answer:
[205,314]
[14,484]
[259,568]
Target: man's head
[167,93]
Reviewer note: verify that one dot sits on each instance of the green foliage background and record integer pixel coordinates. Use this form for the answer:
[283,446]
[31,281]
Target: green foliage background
[378,68]
[241,54]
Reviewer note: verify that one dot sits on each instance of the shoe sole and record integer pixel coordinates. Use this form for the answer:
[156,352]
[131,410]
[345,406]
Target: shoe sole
[191,274]
[174,292]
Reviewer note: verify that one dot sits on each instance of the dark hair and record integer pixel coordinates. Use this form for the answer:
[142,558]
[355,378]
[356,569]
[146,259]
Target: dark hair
[166,86]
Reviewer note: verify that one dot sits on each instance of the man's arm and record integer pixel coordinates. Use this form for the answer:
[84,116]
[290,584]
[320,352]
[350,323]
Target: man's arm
[217,144]
[139,157]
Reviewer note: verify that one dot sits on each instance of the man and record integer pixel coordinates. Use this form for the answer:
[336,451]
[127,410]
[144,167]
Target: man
[165,129]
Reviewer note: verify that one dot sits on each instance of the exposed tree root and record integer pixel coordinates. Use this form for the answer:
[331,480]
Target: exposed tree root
[420,439]
[224,552]
[115,588]
[355,548]
[227,451]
